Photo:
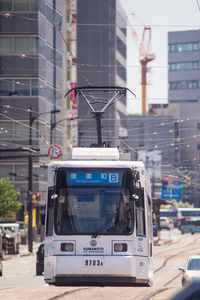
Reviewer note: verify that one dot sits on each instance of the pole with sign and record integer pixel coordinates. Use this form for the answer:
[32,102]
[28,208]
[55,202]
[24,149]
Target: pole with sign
[54,152]
[173,191]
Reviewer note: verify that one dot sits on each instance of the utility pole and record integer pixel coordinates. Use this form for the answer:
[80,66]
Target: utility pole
[30,174]
[30,186]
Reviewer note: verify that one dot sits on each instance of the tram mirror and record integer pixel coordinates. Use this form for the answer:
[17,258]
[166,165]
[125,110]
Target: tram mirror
[135,197]
[136,175]
[181,269]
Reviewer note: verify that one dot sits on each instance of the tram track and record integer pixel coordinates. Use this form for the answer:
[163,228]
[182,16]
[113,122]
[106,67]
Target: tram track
[174,255]
[172,244]
[166,286]
[154,293]
[164,291]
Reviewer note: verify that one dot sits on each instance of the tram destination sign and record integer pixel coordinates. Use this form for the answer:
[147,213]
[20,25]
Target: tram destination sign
[90,177]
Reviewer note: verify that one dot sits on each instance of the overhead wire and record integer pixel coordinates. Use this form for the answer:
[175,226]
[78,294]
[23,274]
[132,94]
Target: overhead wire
[99,24]
[11,14]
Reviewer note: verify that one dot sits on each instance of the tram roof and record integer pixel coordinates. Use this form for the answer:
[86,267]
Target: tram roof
[103,157]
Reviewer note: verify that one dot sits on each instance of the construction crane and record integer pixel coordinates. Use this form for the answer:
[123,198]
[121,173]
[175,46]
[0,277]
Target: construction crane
[145,57]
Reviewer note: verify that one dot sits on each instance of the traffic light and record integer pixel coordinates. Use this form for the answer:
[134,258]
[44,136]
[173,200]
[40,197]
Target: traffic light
[38,196]
[34,200]
[165,181]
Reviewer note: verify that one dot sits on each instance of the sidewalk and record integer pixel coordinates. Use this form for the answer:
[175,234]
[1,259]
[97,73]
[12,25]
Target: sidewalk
[166,236]
[23,251]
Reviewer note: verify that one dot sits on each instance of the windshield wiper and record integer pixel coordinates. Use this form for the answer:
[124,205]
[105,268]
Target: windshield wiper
[107,222]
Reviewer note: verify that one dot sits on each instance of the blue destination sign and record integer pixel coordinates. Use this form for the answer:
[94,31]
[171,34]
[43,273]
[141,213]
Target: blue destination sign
[109,178]
[170,192]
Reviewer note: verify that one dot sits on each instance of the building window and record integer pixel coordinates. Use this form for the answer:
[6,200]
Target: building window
[21,44]
[6,129]
[184,66]
[121,71]
[16,44]
[5,5]
[121,47]
[34,87]
[198,147]
[21,5]
[34,5]
[22,87]
[21,131]
[184,85]
[34,44]
[198,126]
[184,47]
[5,170]
[121,22]
[5,44]
[22,172]
[5,87]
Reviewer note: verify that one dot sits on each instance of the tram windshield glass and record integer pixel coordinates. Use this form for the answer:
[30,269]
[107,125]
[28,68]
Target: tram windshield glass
[94,201]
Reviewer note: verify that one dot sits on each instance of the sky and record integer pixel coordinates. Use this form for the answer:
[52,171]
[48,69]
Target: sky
[163,16]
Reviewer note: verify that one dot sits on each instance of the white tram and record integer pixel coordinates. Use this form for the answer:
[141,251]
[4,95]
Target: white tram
[98,220]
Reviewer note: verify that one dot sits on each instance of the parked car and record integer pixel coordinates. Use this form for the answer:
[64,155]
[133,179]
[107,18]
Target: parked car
[40,260]
[189,292]
[11,235]
[191,270]
[166,223]
[1,266]
[190,226]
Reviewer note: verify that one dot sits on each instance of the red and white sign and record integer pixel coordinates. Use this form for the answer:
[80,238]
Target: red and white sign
[54,151]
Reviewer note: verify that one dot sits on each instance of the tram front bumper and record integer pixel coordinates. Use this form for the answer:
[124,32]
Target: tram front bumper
[94,269]
[95,279]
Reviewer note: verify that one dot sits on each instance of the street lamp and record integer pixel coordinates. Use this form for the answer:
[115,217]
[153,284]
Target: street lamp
[52,124]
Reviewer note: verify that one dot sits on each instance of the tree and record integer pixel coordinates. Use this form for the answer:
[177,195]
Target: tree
[177,204]
[8,198]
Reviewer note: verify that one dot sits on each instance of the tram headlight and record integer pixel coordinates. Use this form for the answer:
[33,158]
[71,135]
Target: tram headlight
[68,247]
[120,247]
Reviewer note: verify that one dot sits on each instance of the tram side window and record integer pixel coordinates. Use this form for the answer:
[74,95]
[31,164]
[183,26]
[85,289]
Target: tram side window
[140,217]
[50,213]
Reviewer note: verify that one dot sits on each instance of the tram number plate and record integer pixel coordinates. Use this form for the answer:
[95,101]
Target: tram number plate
[93,263]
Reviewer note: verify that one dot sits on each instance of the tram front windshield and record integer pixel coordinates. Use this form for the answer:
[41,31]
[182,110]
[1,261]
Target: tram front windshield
[94,202]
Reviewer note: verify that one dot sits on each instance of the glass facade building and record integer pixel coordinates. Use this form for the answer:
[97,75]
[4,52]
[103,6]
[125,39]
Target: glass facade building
[101,61]
[31,56]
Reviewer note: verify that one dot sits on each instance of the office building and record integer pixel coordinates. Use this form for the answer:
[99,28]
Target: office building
[32,83]
[150,139]
[184,106]
[184,66]
[101,61]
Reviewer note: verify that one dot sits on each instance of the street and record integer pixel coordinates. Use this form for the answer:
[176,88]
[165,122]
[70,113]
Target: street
[20,282]
[20,272]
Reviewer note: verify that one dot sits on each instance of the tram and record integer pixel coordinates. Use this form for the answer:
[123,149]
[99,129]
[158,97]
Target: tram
[98,220]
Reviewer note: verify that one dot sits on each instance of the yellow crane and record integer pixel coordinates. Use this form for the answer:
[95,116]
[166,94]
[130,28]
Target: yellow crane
[145,57]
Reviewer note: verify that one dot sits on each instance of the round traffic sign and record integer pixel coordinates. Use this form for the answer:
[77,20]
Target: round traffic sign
[54,151]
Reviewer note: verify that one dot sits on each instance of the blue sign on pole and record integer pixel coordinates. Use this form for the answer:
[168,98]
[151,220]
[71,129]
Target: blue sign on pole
[171,192]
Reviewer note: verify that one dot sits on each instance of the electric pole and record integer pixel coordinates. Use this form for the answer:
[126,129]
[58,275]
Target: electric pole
[30,187]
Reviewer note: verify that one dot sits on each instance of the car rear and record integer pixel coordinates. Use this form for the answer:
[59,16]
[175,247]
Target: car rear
[40,260]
